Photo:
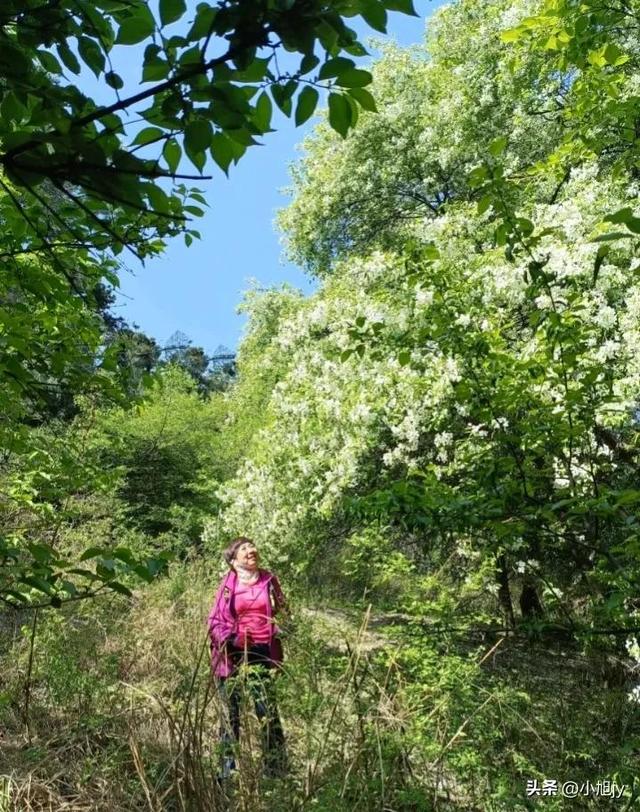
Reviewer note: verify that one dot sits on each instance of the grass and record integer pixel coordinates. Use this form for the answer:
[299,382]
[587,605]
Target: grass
[124,716]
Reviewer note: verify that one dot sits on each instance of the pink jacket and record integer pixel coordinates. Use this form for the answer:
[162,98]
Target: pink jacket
[223,625]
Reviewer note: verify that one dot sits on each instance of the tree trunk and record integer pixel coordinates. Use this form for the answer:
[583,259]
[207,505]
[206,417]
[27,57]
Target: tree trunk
[504,593]
[530,604]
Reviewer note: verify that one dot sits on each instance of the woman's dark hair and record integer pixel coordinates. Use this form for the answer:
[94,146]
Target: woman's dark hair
[230,552]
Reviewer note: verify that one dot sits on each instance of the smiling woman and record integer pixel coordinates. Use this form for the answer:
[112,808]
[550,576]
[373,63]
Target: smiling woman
[243,633]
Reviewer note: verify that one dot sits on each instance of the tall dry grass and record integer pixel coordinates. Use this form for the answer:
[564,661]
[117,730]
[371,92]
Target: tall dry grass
[124,715]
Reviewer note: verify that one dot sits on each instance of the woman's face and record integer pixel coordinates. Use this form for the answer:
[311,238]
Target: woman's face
[246,556]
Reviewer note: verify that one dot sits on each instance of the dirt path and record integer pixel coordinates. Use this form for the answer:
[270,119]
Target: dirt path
[368,631]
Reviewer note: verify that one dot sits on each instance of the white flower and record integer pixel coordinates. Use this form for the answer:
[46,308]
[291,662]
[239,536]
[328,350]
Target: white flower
[443,439]
[609,349]
[452,370]
[633,647]
[424,297]
[360,413]
[634,694]
[605,316]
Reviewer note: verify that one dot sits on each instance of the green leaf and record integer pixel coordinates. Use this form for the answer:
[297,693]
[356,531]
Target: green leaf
[354,78]
[498,146]
[614,55]
[13,58]
[124,554]
[501,235]
[156,565]
[116,586]
[254,72]
[237,149]
[83,573]
[155,71]
[91,552]
[38,583]
[620,216]
[625,216]
[596,58]
[356,49]
[328,37]
[105,569]
[16,595]
[196,211]
[197,158]
[339,113]
[525,226]
[282,97]
[142,572]
[41,552]
[477,176]
[113,80]
[485,203]
[241,135]
[49,62]
[197,135]
[582,24]
[512,35]
[137,27]
[11,109]
[404,358]
[628,497]
[154,68]
[171,10]
[364,99]
[203,22]
[69,588]
[403,6]
[147,135]
[222,151]
[307,101]
[263,113]
[158,199]
[68,57]
[91,54]
[308,63]
[333,67]
[612,235]
[374,13]
[355,110]
[193,56]
[172,153]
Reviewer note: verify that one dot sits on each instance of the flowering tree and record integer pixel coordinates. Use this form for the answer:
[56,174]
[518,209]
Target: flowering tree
[466,377]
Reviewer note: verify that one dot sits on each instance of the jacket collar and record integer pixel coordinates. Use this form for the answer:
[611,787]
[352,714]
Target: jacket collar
[231,579]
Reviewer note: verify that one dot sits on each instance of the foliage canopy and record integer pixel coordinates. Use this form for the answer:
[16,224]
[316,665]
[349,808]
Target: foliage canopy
[83,178]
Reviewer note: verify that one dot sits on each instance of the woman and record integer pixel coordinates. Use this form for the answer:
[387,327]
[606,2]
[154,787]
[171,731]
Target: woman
[242,630]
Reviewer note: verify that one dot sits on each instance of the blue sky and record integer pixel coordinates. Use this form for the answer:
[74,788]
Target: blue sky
[196,290]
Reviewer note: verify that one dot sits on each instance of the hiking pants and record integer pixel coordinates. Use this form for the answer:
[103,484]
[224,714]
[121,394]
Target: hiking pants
[257,681]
